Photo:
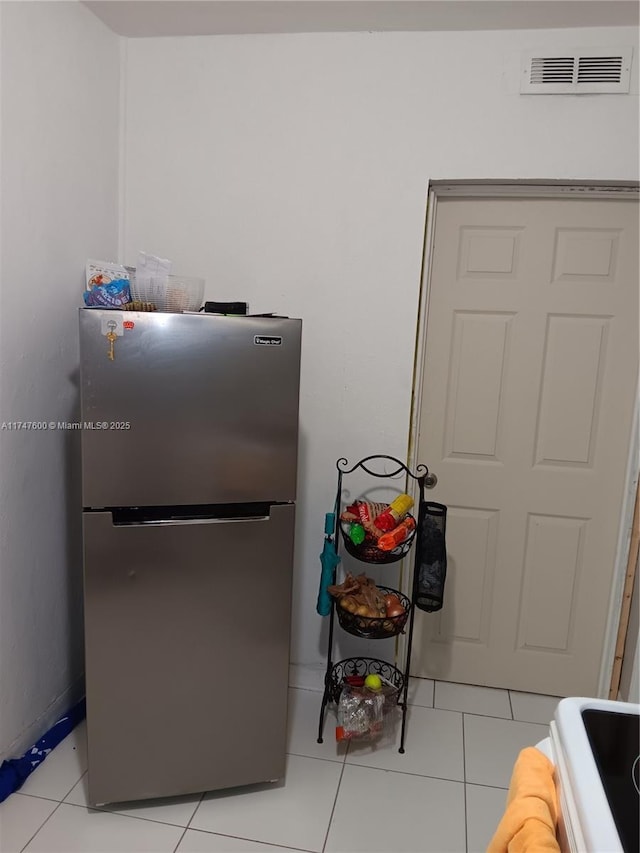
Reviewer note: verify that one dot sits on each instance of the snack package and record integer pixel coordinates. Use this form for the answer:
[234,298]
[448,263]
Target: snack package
[112,295]
[107,285]
[99,273]
[364,512]
[394,513]
[389,541]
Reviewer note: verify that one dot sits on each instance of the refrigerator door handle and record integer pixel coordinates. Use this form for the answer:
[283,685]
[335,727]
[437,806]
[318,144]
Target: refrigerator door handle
[175,522]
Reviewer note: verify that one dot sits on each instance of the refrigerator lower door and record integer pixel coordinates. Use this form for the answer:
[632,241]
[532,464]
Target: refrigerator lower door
[187,653]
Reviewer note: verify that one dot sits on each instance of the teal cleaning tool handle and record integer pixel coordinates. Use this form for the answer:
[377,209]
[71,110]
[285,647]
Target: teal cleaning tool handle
[329,523]
[329,559]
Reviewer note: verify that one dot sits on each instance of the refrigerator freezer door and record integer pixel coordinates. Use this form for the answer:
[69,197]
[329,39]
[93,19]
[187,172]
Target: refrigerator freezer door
[187,653]
[192,409]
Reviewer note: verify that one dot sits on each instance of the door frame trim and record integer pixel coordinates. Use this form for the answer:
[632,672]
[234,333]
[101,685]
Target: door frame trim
[528,189]
[534,189]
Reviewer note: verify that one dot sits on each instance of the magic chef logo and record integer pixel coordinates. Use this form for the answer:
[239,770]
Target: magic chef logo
[267,340]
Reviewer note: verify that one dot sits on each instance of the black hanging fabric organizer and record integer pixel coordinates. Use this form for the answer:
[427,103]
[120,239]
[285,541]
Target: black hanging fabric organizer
[431,553]
[427,586]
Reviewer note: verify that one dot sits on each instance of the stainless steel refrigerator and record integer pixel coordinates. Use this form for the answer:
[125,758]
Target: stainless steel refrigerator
[189,457]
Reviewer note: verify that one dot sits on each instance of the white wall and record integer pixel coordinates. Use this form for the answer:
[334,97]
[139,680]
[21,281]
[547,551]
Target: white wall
[59,162]
[292,171]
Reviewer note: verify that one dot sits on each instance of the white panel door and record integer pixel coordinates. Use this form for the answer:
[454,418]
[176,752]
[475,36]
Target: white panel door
[530,379]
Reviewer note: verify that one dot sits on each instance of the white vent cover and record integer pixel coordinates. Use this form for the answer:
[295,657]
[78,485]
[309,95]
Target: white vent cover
[600,70]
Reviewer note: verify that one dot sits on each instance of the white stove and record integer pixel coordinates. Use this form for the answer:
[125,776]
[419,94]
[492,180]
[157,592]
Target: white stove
[593,744]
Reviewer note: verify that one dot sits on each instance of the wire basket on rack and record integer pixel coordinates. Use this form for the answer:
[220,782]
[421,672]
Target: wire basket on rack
[368,551]
[392,678]
[176,294]
[375,627]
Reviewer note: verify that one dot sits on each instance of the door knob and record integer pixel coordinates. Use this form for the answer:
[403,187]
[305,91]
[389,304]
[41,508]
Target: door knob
[430,481]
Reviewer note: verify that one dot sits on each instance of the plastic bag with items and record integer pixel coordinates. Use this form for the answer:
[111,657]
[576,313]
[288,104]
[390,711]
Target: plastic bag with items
[360,711]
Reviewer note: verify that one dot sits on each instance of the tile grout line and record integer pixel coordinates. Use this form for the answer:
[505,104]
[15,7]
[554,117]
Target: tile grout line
[35,796]
[492,717]
[41,825]
[335,801]
[471,713]
[152,820]
[435,707]
[486,785]
[226,835]
[82,775]
[193,814]
[104,809]
[254,841]
[464,755]
[121,813]
[409,773]
[184,832]
[464,776]
[315,757]
[50,800]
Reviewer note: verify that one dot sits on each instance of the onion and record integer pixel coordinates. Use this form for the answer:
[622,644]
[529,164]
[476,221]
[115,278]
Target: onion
[348,603]
[395,610]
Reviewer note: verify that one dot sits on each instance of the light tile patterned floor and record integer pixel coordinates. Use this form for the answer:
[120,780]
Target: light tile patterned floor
[446,793]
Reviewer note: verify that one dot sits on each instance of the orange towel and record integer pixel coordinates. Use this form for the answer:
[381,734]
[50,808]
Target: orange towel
[531,817]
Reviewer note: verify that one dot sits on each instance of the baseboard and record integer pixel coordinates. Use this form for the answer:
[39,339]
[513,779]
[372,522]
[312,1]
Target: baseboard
[307,676]
[45,720]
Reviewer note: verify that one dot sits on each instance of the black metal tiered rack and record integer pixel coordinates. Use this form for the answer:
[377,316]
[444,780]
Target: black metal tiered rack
[375,628]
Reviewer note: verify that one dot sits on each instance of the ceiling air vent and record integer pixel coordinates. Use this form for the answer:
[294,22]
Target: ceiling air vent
[599,70]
